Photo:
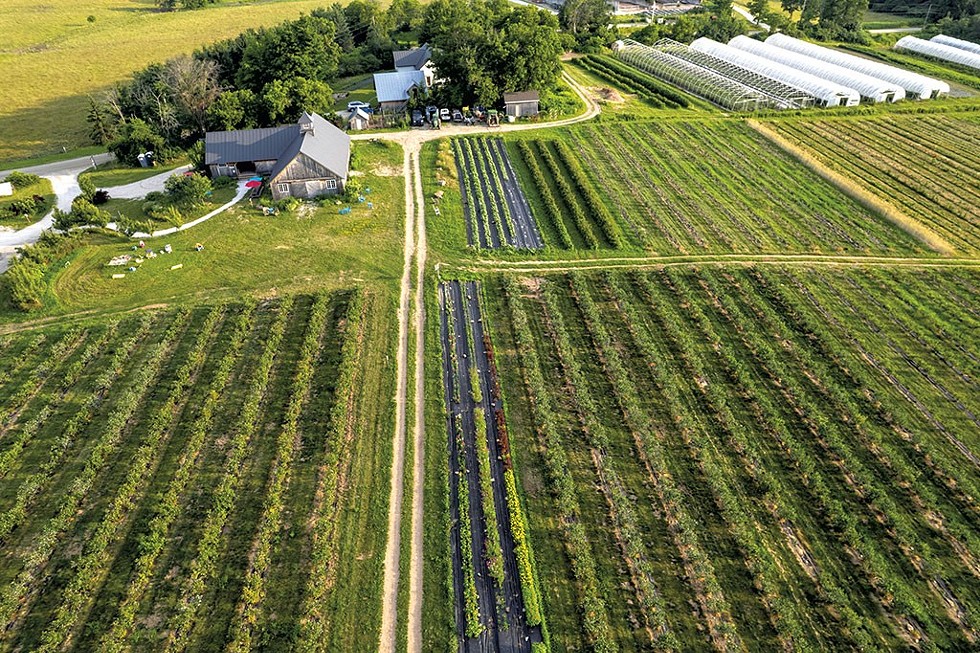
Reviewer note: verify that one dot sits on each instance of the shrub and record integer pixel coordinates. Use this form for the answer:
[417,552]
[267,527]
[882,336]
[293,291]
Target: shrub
[25,206]
[187,191]
[135,138]
[21,180]
[287,204]
[101,196]
[219,183]
[83,213]
[24,283]
[88,187]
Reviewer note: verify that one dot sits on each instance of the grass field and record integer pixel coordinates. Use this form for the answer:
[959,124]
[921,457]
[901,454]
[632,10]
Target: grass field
[727,457]
[118,174]
[197,478]
[52,58]
[923,165]
[246,252]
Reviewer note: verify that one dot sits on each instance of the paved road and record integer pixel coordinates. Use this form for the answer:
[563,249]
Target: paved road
[68,166]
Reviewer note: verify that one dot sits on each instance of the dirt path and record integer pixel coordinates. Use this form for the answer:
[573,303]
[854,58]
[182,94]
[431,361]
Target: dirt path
[415,249]
[389,597]
[415,571]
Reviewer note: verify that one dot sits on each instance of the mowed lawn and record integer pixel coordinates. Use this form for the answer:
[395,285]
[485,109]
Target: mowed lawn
[311,249]
[52,58]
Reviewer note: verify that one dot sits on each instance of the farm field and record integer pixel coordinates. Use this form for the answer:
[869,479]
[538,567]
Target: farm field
[923,165]
[761,457]
[53,61]
[686,187]
[208,478]
[495,593]
[497,214]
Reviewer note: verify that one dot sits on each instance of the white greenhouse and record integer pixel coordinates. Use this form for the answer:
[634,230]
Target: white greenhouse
[870,88]
[938,51]
[783,96]
[969,46]
[705,83]
[915,85]
[827,93]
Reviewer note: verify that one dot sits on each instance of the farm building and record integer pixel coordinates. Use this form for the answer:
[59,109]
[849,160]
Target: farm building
[870,88]
[419,58]
[359,119]
[307,159]
[915,85]
[520,105]
[938,50]
[395,89]
[969,46]
[826,92]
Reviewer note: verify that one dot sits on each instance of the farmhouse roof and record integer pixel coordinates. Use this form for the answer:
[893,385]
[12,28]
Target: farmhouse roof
[324,143]
[525,96]
[394,87]
[416,57]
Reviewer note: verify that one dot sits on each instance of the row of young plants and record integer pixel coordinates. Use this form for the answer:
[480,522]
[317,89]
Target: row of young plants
[471,602]
[486,187]
[477,204]
[33,484]
[627,531]
[287,446]
[473,627]
[91,568]
[490,158]
[568,195]
[592,606]
[344,428]
[55,357]
[520,532]
[13,599]
[204,566]
[170,505]
[544,192]
[598,211]
[52,401]
[22,358]
[494,553]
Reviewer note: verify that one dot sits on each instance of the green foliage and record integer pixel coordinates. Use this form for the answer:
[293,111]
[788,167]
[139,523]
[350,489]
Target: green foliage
[87,186]
[352,189]
[588,23]
[187,191]
[285,101]
[485,48]
[233,110]
[302,48]
[82,214]
[24,284]
[21,180]
[135,138]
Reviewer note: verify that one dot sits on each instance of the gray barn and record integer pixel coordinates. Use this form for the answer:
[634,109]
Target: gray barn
[520,105]
[307,159]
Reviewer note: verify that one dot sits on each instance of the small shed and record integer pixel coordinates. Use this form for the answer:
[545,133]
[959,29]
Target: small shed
[6,188]
[520,105]
[359,119]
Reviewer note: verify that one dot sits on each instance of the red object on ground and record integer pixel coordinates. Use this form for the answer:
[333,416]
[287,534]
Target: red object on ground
[252,184]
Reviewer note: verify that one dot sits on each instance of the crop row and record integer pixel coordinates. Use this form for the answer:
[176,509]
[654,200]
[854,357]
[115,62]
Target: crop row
[652,91]
[344,428]
[204,566]
[544,191]
[117,637]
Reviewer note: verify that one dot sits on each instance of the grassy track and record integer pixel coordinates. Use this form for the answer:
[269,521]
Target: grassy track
[808,456]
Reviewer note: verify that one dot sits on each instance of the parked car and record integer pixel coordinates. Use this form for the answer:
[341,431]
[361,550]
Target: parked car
[357,104]
[444,115]
[417,119]
[457,115]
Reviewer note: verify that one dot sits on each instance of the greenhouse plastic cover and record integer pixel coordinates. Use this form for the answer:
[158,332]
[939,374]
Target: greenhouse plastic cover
[915,85]
[969,46]
[828,92]
[869,87]
[939,51]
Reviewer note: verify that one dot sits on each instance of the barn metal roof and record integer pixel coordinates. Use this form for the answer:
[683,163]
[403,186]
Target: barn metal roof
[525,96]
[325,143]
[394,87]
